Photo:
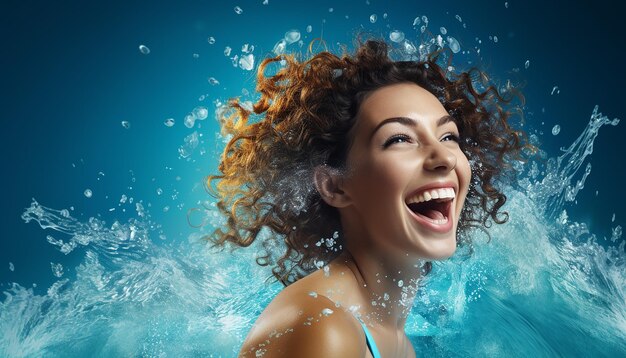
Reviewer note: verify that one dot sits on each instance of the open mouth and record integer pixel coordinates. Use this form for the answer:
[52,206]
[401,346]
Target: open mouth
[436,210]
[433,208]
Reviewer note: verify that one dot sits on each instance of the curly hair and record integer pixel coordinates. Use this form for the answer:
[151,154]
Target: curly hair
[307,109]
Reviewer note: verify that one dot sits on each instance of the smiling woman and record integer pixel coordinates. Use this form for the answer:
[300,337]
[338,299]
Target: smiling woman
[361,169]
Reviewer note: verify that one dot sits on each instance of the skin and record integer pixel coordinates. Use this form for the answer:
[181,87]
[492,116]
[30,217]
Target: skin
[384,243]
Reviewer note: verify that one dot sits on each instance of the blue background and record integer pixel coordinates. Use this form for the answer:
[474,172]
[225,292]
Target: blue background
[72,71]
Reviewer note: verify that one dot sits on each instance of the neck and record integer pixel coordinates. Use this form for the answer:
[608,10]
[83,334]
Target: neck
[388,284]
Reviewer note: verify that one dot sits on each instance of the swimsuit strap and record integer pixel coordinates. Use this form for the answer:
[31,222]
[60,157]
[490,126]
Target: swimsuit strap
[370,341]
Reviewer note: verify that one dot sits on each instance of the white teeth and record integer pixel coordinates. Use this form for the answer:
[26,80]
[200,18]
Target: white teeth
[440,193]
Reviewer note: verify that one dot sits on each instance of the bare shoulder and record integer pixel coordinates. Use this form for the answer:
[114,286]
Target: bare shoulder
[298,324]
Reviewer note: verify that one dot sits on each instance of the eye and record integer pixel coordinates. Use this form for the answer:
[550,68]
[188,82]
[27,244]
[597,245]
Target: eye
[453,137]
[396,139]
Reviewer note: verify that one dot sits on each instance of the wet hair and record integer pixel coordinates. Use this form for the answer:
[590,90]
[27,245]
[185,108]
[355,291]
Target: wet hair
[307,110]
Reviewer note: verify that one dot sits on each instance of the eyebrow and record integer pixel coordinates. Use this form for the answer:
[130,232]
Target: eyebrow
[409,122]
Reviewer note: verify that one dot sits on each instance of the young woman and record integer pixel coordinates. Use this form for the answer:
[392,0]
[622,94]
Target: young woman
[362,170]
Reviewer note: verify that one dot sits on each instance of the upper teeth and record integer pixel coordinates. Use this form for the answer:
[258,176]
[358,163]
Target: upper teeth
[431,194]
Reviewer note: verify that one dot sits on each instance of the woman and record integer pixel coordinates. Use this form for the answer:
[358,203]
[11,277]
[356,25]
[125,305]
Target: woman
[360,169]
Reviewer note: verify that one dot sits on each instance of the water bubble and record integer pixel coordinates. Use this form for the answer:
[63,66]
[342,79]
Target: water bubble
[227,51]
[166,209]
[400,283]
[211,40]
[238,10]
[616,233]
[159,191]
[200,113]
[280,46]
[292,36]
[613,218]
[313,294]
[88,193]
[11,267]
[556,90]
[213,81]
[417,21]
[506,4]
[384,15]
[527,64]
[443,30]
[425,19]
[386,296]
[458,17]
[309,28]
[556,129]
[454,44]
[169,122]
[409,48]
[327,311]
[373,18]
[265,2]
[57,269]
[144,49]
[331,9]
[191,142]
[195,55]
[190,121]
[495,39]
[396,36]
[126,124]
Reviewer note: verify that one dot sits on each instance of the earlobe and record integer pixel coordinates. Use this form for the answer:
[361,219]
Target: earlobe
[329,182]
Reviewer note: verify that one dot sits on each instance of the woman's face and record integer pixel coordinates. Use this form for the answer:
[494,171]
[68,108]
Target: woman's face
[405,152]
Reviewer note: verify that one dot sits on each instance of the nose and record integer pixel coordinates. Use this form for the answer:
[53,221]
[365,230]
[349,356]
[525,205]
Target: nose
[439,158]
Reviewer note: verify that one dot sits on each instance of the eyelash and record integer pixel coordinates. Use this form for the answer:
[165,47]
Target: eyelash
[391,140]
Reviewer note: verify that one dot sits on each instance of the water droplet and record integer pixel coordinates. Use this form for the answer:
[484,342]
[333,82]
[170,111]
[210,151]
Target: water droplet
[200,113]
[417,21]
[213,81]
[556,129]
[313,294]
[327,311]
[495,39]
[386,296]
[613,218]
[169,122]
[527,64]
[331,9]
[195,55]
[309,28]
[458,17]
[211,40]
[144,49]
[396,36]
[159,191]
[400,283]
[238,10]
[556,90]
[373,18]
[88,193]
[384,15]
[11,267]
[246,62]
[443,30]
[227,50]
[292,36]
[65,213]
[454,44]
[126,124]
[506,4]
[280,46]
[190,121]
[57,269]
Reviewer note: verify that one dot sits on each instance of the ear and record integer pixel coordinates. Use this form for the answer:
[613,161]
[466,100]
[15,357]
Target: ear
[329,183]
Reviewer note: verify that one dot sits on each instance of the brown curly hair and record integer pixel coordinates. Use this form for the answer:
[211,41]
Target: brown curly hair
[307,109]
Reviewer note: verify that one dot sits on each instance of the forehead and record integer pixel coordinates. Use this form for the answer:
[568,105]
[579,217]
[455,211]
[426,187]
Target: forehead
[399,100]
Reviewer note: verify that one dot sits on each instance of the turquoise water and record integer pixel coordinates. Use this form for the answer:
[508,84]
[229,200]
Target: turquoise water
[128,276]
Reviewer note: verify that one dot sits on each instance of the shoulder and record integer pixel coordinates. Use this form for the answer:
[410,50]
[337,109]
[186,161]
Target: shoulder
[298,324]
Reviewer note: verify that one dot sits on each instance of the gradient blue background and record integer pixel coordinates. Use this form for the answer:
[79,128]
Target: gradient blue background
[71,72]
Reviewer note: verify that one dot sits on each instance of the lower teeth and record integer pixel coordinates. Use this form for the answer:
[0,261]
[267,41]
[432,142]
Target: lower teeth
[436,221]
